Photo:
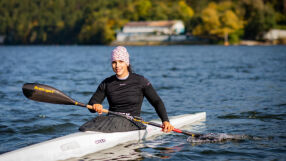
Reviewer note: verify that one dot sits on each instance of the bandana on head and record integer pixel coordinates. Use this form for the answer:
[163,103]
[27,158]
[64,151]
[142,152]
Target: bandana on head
[120,53]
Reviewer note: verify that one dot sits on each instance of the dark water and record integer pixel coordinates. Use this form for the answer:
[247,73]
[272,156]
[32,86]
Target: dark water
[242,89]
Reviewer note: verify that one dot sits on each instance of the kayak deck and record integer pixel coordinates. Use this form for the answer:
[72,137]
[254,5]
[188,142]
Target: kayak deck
[82,143]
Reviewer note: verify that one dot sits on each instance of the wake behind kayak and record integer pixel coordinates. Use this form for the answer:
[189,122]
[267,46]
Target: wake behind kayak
[220,137]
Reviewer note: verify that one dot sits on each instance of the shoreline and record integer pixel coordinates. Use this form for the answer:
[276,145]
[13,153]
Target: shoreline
[166,43]
[159,43]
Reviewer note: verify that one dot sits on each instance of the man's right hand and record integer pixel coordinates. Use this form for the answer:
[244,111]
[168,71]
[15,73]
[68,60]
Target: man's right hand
[98,108]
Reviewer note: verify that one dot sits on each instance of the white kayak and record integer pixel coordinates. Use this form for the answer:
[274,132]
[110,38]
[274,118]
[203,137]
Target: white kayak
[82,143]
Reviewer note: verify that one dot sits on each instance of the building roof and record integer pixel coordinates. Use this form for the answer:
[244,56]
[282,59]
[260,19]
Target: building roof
[151,23]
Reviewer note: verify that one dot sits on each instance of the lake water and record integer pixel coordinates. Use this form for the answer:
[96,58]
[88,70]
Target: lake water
[242,89]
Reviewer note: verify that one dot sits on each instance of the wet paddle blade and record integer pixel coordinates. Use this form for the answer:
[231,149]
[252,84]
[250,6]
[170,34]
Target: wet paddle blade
[45,93]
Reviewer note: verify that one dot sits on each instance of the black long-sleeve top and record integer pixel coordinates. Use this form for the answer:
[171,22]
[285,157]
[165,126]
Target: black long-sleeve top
[126,96]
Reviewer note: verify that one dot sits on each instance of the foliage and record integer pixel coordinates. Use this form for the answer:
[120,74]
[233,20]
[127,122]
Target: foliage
[219,21]
[260,18]
[80,21]
[96,22]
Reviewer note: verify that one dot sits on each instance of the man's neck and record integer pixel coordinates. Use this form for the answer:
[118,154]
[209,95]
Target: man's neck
[123,77]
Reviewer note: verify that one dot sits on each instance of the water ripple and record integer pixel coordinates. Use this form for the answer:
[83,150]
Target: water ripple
[253,115]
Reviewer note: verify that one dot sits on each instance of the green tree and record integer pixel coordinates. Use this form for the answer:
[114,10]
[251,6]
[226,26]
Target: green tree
[219,21]
[259,17]
[99,32]
[143,7]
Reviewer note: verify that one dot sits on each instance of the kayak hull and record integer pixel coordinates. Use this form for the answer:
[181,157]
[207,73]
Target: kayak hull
[82,143]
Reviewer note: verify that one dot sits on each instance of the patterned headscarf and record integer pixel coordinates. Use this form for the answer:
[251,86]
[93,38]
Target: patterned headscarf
[120,53]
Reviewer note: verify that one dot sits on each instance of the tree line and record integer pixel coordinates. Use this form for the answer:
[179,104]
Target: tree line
[97,21]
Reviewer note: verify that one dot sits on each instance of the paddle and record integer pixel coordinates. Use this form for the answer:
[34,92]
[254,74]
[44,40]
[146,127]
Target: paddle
[45,93]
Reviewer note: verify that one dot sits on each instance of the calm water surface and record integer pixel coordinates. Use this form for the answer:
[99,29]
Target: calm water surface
[242,89]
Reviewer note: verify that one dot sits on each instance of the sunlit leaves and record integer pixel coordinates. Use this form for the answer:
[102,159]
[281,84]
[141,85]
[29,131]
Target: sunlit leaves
[218,20]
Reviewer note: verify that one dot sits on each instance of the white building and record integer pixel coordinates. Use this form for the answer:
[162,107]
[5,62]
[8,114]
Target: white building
[2,39]
[151,31]
[275,34]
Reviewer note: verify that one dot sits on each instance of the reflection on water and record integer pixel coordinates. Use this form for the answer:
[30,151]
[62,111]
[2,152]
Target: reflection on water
[134,151]
[156,147]
[120,152]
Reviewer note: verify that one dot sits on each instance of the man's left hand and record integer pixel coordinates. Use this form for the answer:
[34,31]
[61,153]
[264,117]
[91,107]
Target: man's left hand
[167,127]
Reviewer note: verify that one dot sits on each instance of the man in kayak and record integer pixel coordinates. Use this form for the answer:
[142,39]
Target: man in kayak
[125,92]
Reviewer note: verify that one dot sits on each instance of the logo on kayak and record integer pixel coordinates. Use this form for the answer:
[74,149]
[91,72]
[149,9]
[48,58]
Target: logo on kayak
[100,141]
[44,90]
